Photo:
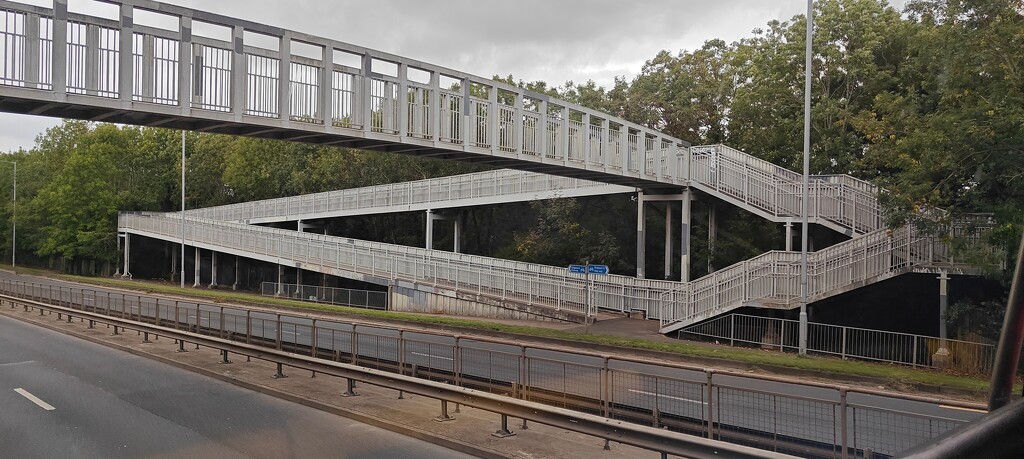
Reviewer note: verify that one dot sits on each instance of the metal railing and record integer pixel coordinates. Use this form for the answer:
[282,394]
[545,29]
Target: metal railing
[300,82]
[326,88]
[845,342]
[491,187]
[770,279]
[807,419]
[658,440]
[331,295]
[838,201]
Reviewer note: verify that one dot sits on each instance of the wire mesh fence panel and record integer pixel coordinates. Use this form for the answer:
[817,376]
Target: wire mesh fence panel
[377,351]
[662,402]
[492,371]
[564,384]
[428,360]
[337,341]
[889,432]
[235,325]
[777,422]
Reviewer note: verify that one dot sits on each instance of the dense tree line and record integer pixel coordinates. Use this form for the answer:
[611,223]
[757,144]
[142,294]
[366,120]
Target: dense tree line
[927,102]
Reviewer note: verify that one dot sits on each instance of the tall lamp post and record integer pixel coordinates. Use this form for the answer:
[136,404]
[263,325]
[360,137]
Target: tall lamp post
[182,275]
[14,216]
[807,172]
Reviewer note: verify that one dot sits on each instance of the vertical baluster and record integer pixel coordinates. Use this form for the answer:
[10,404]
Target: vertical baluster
[126,55]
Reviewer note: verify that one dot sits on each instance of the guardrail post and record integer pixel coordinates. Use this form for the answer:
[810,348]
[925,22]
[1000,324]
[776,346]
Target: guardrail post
[224,357]
[145,337]
[350,388]
[181,345]
[280,372]
[444,417]
[503,432]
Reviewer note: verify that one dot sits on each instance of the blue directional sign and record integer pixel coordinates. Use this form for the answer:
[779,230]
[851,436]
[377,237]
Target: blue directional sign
[577,269]
[598,269]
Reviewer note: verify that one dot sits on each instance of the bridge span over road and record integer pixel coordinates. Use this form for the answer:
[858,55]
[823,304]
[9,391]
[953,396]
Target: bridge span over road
[318,90]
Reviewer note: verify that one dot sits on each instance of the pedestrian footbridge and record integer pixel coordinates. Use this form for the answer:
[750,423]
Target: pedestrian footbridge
[209,74]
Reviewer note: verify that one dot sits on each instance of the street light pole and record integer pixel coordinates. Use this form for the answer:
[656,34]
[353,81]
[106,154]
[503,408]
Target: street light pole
[14,216]
[182,275]
[807,173]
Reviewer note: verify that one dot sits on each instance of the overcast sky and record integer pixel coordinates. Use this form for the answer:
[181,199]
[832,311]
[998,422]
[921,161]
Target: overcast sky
[549,40]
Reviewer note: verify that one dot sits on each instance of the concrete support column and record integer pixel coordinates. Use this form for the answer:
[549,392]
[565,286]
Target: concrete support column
[641,245]
[430,230]
[196,283]
[213,269]
[280,276]
[789,236]
[684,248]
[458,233]
[174,261]
[712,235]
[234,286]
[668,240]
[941,358]
[127,256]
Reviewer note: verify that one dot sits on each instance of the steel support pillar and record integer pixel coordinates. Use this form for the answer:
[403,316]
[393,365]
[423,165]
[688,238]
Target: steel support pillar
[196,282]
[941,357]
[789,236]
[280,275]
[127,256]
[234,286]
[684,248]
[174,262]
[458,233]
[213,269]
[668,241]
[641,245]
[430,230]
[712,235]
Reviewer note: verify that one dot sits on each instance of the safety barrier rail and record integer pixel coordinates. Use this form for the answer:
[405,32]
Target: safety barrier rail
[806,419]
[845,342]
[330,295]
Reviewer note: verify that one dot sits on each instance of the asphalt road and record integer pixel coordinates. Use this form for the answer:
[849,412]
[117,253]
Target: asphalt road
[883,424]
[65,397]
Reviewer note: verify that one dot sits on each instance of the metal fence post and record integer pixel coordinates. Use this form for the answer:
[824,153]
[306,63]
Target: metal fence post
[278,332]
[605,389]
[711,402]
[313,344]
[732,330]
[223,330]
[842,422]
[457,362]
[248,326]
